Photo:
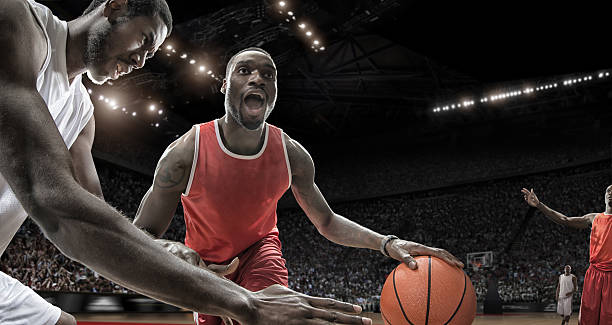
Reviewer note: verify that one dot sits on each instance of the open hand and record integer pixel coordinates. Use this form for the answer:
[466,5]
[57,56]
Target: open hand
[530,197]
[278,305]
[404,251]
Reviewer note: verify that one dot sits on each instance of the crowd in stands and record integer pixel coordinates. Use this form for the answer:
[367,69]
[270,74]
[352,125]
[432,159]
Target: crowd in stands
[480,216]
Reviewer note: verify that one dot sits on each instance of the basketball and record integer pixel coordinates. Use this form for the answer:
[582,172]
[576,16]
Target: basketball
[435,293]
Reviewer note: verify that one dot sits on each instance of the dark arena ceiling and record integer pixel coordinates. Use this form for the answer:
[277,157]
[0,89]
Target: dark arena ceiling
[378,64]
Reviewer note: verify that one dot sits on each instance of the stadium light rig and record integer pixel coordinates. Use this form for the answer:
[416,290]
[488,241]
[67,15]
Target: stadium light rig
[292,17]
[494,97]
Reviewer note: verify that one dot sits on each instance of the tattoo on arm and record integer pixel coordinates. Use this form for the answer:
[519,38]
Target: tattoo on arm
[169,176]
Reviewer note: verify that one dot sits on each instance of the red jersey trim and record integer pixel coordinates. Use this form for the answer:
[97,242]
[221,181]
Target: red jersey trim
[235,155]
[286,158]
[195,158]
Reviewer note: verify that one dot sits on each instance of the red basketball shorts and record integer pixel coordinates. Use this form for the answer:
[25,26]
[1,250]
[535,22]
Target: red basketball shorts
[596,305]
[261,266]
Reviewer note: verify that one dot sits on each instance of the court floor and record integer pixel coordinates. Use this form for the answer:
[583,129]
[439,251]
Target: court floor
[187,318]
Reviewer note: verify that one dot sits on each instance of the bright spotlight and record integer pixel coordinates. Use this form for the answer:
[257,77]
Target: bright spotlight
[209,72]
[282,3]
[112,103]
[133,113]
[156,125]
[202,68]
[316,42]
[308,33]
[106,100]
[192,61]
[184,56]
[114,108]
[169,47]
[160,112]
[322,48]
[302,25]
[123,109]
[290,13]
[152,107]
[101,97]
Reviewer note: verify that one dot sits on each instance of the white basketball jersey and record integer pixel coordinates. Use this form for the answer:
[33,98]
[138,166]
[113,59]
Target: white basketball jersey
[68,103]
[566,284]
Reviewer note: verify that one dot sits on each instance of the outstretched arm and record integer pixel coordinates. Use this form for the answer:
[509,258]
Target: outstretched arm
[82,160]
[557,217]
[339,229]
[37,166]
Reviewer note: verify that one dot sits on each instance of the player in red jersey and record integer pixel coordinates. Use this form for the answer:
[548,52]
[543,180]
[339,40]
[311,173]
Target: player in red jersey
[596,305]
[229,175]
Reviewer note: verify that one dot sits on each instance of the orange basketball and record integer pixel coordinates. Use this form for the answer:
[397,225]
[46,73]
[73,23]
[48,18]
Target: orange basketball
[433,294]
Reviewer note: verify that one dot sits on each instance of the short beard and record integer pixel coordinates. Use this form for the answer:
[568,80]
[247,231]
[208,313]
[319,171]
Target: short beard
[94,53]
[234,112]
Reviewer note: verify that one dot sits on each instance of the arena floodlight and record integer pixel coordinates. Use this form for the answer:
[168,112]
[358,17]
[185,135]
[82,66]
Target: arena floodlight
[308,33]
[316,42]
[151,107]
[209,72]
[123,109]
[160,112]
[202,68]
[101,97]
[302,25]
[192,61]
[282,4]
[156,125]
[290,13]
[184,56]
[112,102]
[169,47]
[322,48]
[133,113]
[601,75]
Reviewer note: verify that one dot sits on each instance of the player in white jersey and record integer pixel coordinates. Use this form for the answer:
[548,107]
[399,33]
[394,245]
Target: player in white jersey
[566,287]
[47,171]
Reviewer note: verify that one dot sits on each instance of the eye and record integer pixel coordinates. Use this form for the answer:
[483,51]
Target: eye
[145,39]
[269,75]
[243,70]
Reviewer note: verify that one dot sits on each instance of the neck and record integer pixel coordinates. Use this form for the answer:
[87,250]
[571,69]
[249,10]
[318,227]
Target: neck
[608,210]
[239,139]
[75,45]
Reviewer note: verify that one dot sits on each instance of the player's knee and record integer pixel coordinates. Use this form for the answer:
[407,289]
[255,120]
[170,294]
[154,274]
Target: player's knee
[66,319]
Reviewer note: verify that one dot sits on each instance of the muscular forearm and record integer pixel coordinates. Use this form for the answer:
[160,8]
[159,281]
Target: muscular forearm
[552,214]
[343,231]
[113,247]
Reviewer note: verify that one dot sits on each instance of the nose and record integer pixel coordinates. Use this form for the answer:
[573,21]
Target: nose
[138,59]
[256,79]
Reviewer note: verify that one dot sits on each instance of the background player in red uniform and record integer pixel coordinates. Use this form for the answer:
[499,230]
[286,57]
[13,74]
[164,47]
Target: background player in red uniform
[230,174]
[596,305]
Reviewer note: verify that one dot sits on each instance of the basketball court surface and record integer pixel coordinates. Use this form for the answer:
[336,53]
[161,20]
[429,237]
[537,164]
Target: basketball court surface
[187,318]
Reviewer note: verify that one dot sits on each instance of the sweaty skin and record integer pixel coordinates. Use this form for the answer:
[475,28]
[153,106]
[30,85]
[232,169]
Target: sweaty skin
[242,132]
[40,171]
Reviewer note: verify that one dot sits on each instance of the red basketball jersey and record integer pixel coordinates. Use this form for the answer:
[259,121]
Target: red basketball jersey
[230,201]
[601,243]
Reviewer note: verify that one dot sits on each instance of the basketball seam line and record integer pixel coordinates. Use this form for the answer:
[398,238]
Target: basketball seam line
[460,301]
[399,302]
[385,318]
[428,291]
